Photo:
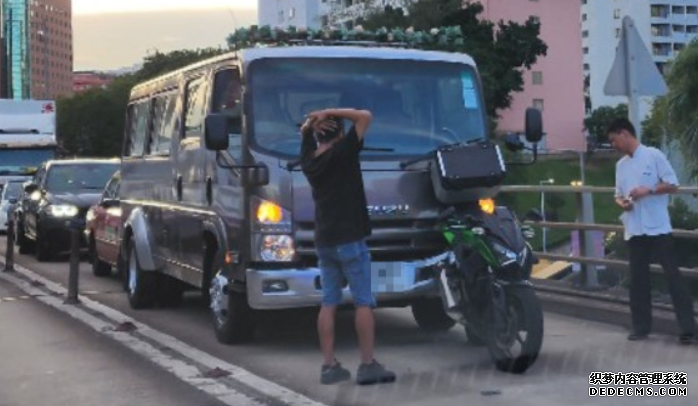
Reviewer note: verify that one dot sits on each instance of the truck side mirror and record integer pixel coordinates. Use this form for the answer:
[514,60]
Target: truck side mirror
[216,133]
[534,125]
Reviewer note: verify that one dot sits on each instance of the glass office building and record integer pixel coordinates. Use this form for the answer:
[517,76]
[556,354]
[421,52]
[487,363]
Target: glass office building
[37,48]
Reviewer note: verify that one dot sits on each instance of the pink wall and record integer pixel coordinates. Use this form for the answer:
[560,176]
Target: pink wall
[562,90]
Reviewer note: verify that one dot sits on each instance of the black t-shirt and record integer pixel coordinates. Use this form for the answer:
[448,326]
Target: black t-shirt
[341,215]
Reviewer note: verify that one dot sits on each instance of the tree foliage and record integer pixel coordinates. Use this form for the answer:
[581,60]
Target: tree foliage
[91,123]
[675,115]
[597,123]
[502,50]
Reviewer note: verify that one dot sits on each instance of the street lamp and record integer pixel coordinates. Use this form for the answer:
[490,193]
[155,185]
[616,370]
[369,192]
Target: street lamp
[550,181]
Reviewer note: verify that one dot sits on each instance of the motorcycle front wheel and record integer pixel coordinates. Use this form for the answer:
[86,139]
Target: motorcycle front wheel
[515,342]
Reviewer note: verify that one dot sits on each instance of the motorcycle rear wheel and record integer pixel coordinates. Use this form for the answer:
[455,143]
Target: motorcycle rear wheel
[515,346]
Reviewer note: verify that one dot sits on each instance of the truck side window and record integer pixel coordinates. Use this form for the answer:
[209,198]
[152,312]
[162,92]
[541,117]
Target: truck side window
[137,128]
[196,102]
[227,99]
[163,124]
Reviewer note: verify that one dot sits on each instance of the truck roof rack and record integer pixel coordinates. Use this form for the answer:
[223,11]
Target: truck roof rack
[334,42]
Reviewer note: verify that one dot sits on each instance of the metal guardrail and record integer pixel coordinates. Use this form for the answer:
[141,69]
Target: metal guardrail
[584,205]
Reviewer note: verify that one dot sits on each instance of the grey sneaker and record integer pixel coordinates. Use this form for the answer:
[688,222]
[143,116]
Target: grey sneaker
[369,374]
[334,373]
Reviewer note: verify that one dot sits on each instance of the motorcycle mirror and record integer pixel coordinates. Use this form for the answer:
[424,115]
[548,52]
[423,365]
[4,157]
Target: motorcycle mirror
[534,215]
[513,142]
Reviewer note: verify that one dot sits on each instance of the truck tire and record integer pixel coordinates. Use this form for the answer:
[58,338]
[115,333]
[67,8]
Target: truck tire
[141,285]
[232,316]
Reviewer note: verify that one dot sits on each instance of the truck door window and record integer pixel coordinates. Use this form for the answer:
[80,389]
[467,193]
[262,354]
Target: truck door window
[196,102]
[227,99]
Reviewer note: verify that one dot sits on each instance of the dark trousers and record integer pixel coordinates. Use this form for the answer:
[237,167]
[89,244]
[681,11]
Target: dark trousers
[642,248]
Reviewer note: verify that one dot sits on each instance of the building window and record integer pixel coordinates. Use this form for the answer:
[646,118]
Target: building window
[617,32]
[585,34]
[291,13]
[281,17]
[538,104]
[584,17]
[537,77]
[585,50]
[585,66]
[616,14]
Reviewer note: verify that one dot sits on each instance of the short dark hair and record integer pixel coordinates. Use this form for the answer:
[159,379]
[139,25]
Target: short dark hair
[330,135]
[619,125]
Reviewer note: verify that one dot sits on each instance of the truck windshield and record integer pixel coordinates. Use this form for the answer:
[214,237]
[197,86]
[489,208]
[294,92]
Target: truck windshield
[22,161]
[416,105]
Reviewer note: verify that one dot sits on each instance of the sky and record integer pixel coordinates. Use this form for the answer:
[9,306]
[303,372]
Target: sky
[116,34]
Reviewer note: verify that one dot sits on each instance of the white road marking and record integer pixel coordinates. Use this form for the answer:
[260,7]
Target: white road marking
[187,372]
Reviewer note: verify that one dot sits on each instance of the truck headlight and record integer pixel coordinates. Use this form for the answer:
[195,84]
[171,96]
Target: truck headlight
[62,210]
[276,248]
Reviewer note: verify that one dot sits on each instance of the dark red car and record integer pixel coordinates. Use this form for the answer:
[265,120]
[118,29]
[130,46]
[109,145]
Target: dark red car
[103,228]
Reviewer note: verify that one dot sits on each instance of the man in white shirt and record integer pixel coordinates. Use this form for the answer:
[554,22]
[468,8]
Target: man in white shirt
[644,181]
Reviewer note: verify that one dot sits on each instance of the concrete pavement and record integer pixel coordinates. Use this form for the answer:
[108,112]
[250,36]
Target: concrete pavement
[47,357]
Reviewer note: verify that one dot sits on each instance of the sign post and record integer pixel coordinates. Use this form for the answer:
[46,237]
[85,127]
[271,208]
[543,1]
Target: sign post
[634,73]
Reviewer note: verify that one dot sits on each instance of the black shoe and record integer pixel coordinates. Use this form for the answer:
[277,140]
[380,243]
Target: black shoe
[369,374]
[334,373]
[687,339]
[637,336]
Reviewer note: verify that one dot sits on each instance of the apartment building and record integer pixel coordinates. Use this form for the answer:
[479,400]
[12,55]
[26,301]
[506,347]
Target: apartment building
[37,49]
[665,26]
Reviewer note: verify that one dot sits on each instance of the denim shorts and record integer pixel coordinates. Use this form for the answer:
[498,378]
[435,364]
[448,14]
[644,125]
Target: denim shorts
[350,262]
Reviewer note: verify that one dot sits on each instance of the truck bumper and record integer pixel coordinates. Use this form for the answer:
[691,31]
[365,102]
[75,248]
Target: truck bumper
[293,288]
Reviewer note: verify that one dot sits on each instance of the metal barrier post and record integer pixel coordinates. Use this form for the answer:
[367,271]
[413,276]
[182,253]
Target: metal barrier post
[73,276]
[10,249]
[585,215]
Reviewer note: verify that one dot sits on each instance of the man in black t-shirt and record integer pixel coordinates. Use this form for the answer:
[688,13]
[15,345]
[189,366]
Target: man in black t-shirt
[330,161]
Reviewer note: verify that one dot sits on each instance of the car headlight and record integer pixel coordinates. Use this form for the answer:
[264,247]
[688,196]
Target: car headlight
[61,210]
[276,248]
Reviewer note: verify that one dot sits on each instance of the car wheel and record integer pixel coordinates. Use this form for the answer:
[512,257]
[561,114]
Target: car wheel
[141,284]
[25,244]
[99,267]
[44,251]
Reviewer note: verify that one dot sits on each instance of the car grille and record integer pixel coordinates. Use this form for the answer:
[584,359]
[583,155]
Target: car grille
[390,240]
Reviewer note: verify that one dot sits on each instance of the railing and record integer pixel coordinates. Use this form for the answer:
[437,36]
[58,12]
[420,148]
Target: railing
[585,223]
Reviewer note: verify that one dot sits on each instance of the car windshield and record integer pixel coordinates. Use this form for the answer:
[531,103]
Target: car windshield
[74,177]
[23,161]
[12,190]
[416,105]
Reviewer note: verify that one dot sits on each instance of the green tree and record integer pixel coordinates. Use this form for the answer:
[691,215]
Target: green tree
[501,50]
[599,120]
[91,123]
[679,110]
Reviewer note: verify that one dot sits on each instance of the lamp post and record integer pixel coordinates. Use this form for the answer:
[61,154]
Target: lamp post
[550,181]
